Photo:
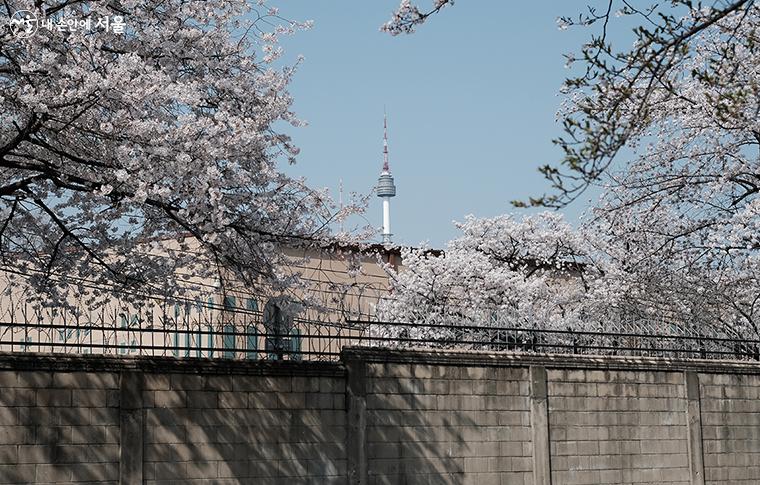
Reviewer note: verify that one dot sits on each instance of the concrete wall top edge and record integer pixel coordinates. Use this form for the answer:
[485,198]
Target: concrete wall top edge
[100,363]
[550,361]
[148,364]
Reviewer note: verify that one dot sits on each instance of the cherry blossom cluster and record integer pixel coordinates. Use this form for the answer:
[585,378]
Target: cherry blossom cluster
[120,150]
[408,16]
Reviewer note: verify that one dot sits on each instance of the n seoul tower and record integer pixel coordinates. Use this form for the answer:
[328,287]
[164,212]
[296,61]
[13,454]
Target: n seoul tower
[385,187]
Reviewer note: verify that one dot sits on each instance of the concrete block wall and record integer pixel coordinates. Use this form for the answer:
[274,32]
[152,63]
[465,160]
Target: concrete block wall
[218,429]
[59,427]
[448,424]
[94,419]
[618,427]
[574,419]
[379,417]
[731,428]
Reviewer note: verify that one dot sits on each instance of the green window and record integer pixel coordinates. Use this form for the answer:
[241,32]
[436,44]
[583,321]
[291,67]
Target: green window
[251,342]
[228,337]
[295,344]
[210,331]
[175,337]
[252,335]
[228,341]
[121,342]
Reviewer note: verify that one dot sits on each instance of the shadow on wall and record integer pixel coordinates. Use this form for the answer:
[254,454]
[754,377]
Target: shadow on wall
[284,429]
[440,424]
[413,443]
[289,428]
[59,427]
[285,424]
[425,424]
[293,429]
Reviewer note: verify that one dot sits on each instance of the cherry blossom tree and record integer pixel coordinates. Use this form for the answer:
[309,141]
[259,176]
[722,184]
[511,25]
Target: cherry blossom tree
[668,128]
[540,273]
[621,96]
[114,142]
[503,270]
[681,116]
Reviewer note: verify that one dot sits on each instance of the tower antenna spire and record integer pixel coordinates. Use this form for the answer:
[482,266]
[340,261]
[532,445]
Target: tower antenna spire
[386,166]
[340,192]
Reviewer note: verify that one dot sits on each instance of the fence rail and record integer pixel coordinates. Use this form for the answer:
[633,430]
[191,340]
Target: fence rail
[654,344]
[247,337]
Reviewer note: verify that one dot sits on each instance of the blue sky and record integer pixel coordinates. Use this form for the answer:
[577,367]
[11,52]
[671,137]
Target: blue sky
[471,101]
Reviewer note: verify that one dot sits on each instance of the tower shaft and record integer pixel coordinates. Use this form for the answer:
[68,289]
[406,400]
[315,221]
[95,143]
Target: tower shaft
[387,220]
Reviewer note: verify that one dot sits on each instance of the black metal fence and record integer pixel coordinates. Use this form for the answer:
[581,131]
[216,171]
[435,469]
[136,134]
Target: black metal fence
[243,334]
[542,340]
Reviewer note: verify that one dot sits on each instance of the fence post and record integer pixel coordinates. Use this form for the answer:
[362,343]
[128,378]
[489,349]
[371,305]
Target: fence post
[356,437]
[539,424]
[694,427]
[131,430]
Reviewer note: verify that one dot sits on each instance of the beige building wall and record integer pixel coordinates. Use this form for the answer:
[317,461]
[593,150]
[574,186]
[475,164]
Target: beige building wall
[208,321]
